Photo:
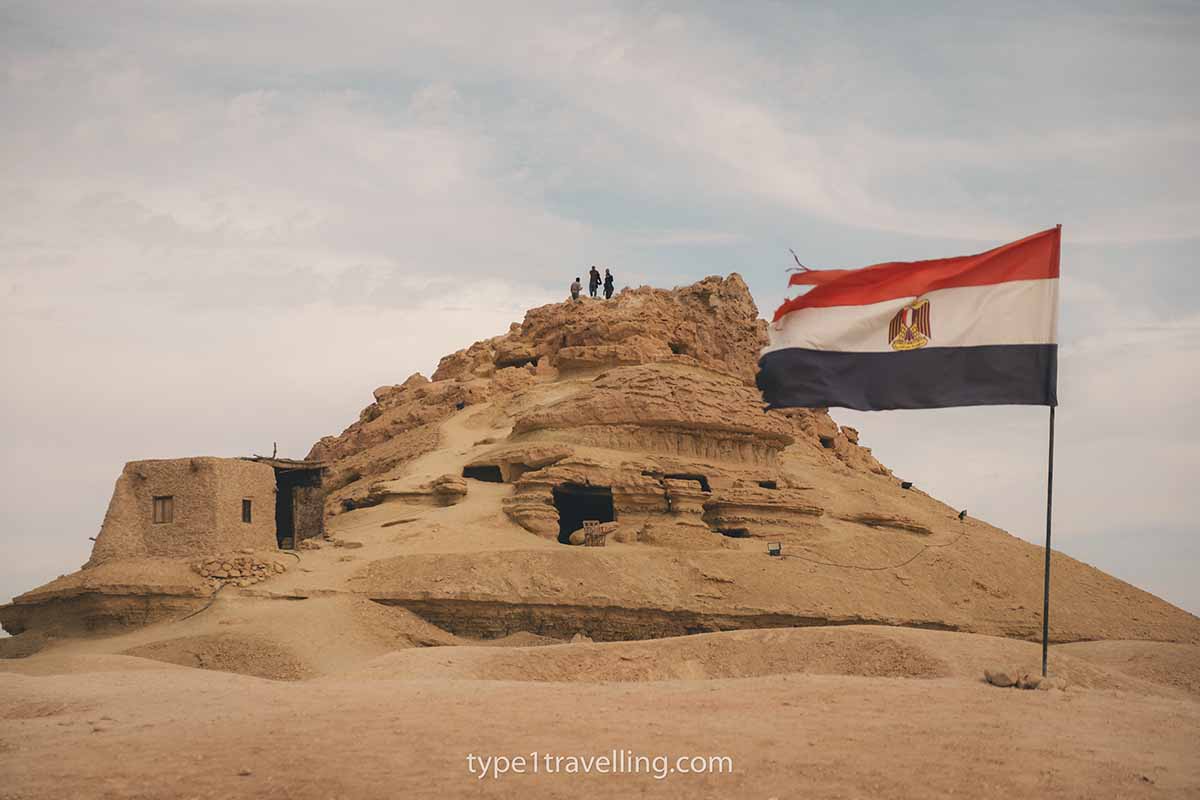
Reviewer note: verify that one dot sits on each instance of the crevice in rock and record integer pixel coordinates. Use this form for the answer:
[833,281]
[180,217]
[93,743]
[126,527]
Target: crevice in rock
[516,361]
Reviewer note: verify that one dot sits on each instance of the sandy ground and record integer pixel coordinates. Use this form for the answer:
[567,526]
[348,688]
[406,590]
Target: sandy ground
[912,720]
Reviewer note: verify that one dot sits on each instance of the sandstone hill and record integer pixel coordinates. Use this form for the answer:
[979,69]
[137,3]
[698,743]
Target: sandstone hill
[457,502]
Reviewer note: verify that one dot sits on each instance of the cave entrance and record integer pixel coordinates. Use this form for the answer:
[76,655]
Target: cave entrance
[575,503]
[484,472]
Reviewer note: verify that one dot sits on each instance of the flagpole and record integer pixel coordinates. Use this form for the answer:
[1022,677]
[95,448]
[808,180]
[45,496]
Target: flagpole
[1046,587]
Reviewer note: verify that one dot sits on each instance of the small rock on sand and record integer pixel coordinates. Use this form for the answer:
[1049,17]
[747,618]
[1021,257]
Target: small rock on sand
[1027,681]
[1022,680]
[999,677]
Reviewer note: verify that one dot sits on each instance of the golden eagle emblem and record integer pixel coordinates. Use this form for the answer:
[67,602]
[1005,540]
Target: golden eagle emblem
[909,329]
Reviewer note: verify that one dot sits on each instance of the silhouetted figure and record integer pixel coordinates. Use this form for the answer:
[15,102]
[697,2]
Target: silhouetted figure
[576,288]
[593,281]
[608,285]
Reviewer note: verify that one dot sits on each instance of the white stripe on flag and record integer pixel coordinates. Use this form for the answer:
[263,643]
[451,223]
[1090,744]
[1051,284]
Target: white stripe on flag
[1015,312]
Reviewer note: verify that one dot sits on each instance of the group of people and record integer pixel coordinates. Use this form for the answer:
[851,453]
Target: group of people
[594,284]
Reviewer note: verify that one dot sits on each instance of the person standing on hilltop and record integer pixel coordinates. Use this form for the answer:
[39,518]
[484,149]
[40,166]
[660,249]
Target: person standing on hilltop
[608,285]
[593,281]
[576,288]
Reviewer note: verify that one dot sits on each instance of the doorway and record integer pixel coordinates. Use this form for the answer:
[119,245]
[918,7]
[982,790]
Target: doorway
[575,503]
[299,506]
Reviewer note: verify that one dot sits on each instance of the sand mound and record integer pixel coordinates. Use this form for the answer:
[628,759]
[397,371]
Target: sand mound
[1165,663]
[245,655]
[850,651]
[59,663]
[734,654]
[279,639]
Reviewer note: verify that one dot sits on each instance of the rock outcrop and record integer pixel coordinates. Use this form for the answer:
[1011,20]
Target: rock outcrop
[666,370]
[761,512]
[680,410]
[445,490]
[713,321]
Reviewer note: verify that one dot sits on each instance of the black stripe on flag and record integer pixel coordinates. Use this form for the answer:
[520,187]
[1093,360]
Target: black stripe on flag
[929,377]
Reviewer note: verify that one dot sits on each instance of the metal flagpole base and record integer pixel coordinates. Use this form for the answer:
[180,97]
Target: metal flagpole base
[1046,587]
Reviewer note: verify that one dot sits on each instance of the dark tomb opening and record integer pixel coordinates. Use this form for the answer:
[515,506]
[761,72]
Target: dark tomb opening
[484,472]
[735,533]
[576,503]
[519,361]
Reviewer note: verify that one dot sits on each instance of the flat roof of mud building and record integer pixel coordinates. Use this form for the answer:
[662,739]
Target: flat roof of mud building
[182,459]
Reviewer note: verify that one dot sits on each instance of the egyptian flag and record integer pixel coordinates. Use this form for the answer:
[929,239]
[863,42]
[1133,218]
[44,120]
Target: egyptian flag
[967,331]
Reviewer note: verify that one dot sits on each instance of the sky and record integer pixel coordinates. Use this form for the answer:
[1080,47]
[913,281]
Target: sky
[223,224]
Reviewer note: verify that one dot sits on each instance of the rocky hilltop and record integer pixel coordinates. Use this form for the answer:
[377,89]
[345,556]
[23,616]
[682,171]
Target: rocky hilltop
[459,502]
[692,354]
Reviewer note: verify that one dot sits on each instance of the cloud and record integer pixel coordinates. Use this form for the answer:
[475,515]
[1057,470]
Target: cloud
[537,99]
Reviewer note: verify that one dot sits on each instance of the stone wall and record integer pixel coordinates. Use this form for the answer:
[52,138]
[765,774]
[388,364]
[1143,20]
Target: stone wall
[308,506]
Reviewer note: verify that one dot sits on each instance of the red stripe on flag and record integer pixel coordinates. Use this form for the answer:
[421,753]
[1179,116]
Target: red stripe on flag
[816,277]
[1034,257]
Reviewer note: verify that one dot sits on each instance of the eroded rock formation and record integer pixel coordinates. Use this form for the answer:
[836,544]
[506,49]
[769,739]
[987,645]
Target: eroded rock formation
[664,371]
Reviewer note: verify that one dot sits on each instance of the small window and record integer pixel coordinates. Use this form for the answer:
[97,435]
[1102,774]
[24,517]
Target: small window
[164,509]
[246,516]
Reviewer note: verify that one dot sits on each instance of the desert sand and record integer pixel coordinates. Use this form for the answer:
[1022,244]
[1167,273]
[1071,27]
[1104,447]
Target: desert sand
[845,712]
[446,617]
